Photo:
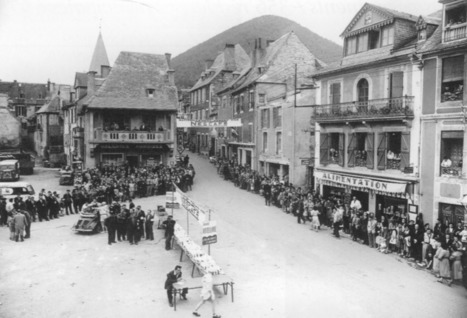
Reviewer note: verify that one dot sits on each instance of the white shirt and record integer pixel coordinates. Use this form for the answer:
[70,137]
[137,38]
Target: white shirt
[355,204]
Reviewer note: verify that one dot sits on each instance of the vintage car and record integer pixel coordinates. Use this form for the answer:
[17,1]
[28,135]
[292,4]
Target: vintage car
[91,218]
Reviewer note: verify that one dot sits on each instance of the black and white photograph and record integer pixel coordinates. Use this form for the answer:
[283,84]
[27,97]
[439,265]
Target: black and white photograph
[233,158]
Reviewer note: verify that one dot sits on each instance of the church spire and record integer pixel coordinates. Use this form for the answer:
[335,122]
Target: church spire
[99,58]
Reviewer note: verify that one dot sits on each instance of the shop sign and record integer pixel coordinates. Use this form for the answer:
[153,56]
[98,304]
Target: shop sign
[390,187]
[305,162]
[171,201]
[209,233]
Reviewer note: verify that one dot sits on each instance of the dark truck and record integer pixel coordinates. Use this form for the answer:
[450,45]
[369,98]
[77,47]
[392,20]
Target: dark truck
[26,160]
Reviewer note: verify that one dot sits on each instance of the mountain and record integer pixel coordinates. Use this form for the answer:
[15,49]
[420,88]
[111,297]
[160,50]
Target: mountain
[189,65]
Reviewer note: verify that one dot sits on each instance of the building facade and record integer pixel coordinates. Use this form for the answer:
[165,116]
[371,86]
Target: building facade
[443,147]
[274,138]
[204,102]
[130,118]
[368,119]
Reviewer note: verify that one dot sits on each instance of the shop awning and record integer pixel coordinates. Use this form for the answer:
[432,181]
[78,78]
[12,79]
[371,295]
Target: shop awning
[374,184]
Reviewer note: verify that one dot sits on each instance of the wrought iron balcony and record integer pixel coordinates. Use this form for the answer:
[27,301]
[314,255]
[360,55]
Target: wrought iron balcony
[139,137]
[399,108]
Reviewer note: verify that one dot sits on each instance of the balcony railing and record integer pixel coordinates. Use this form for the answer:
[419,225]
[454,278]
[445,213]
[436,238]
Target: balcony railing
[455,32]
[371,110]
[121,136]
[451,171]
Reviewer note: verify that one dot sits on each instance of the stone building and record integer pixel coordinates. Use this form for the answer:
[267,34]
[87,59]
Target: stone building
[443,57]
[204,102]
[367,120]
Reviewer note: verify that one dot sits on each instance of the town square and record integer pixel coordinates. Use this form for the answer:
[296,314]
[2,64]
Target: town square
[269,166]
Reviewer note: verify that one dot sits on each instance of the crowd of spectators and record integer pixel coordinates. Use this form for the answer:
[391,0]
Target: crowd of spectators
[111,185]
[442,249]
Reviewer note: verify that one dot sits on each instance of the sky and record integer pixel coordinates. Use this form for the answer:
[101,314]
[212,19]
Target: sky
[53,39]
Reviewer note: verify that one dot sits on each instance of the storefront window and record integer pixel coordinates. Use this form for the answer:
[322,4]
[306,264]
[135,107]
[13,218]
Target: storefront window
[452,146]
[112,159]
[452,213]
[391,207]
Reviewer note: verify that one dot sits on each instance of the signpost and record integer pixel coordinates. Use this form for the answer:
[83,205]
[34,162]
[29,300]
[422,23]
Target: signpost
[209,233]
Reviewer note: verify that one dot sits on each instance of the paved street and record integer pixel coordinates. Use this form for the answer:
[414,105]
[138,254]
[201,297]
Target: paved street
[280,268]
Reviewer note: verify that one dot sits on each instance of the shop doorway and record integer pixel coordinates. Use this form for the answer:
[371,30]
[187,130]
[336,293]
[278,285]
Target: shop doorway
[362,197]
[132,161]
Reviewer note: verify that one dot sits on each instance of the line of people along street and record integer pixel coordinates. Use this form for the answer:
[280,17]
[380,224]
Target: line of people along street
[441,249]
[111,185]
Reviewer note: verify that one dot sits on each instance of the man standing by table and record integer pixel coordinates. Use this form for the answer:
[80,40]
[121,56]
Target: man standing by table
[173,277]
[168,225]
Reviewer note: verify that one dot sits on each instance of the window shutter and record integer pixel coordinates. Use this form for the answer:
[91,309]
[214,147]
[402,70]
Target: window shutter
[397,84]
[382,151]
[370,146]
[324,149]
[351,150]
[405,150]
[341,149]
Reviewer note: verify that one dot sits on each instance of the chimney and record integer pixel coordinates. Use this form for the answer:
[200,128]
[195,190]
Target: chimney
[105,70]
[91,83]
[72,97]
[170,71]
[167,57]
[48,85]
[259,43]
[229,57]
[208,64]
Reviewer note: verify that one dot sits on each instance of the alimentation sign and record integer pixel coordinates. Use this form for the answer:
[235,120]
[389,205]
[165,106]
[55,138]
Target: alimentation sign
[371,184]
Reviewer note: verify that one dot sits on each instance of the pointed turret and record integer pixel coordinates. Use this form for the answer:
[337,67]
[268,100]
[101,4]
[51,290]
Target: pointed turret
[99,58]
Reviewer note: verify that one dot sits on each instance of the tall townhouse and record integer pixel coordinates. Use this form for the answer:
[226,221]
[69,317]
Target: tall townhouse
[130,118]
[443,146]
[368,118]
[270,139]
[204,103]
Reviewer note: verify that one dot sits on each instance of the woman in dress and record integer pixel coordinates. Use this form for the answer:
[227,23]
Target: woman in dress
[442,254]
[456,258]
[314,219]
[207,294]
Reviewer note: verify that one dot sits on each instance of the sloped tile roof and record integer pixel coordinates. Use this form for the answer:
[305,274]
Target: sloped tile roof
[227,60]
[81,79]
[51,107]
[126,85]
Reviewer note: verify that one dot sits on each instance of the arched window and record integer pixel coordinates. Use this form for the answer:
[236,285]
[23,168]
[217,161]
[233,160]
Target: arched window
[362,90]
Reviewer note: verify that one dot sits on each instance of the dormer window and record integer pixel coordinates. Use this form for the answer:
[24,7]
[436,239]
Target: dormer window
[422,35]
[150,92]
[387,36]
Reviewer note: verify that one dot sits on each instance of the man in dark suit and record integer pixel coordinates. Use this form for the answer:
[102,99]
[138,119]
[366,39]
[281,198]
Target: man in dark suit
[42,208]
[168,225]
[173,277]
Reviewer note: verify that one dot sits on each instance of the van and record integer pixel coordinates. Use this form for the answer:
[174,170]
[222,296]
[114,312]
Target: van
[11,190]
[9,170]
